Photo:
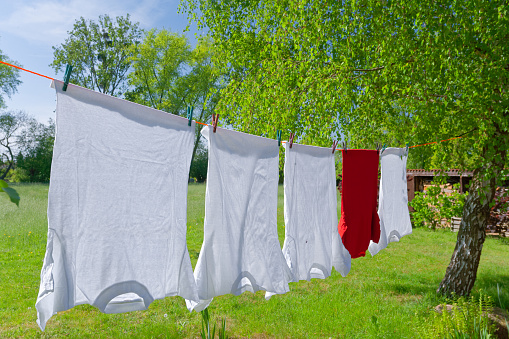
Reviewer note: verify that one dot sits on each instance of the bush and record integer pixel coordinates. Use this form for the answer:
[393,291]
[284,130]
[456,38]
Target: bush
[433,205]
[17,175]
[199,166]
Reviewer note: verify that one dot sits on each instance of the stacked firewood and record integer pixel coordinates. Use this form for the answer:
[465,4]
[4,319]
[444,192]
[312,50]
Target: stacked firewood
[499,214]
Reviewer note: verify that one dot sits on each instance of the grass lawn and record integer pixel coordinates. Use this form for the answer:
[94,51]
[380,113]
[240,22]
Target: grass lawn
[386,296]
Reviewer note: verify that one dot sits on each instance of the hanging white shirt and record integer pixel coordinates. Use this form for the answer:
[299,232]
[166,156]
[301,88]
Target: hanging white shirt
[393,199]
[241,250]
[117,206]
[312,243]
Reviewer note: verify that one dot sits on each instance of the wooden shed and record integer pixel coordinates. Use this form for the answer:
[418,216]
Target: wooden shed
[418,178]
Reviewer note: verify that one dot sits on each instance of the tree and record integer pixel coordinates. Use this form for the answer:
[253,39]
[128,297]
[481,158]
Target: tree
[367,71]
[36,145]
[9,79]
[11,124]
[158,63]
[199,166]
[99,53]
[169,75]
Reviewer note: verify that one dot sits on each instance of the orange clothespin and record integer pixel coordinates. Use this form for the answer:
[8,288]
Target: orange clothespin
[215,118]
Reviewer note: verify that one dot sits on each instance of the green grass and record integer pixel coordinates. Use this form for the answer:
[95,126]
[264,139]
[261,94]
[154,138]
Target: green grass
[386,296]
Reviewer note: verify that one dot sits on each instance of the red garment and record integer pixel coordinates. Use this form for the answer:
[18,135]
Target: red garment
[359,221]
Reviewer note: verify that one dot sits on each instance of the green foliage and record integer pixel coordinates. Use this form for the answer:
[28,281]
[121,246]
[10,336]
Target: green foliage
[199,165]
[468,318]
[18,175]
[502,306]
[433,205]
[34,161]
[391,71]
[158,63]
[11,192]
[9,78]
[99,53]
[11,123]
[205,327]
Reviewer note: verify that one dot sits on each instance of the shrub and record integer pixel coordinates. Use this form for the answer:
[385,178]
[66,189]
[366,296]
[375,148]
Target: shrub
[17,175]
[467,318]
[433,205]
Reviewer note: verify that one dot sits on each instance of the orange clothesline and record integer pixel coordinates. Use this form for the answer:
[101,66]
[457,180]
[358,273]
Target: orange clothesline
[45,76]
[26,70]
[434,142]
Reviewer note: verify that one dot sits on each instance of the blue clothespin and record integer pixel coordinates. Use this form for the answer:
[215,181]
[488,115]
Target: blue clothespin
[190,114]
[67,76]
[279,132]
[383,149]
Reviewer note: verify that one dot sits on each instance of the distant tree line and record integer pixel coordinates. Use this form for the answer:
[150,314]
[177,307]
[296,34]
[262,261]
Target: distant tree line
[156,68]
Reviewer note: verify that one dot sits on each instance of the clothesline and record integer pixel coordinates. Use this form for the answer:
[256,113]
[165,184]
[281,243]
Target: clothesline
[201,123]
[88,230]
[26,70]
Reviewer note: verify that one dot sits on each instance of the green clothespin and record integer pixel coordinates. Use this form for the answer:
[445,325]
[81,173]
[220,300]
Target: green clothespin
[407,148]
[190,114]
[67,76]
[279,132]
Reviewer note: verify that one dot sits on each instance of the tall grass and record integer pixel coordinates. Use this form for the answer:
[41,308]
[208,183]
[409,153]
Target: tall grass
[386,296]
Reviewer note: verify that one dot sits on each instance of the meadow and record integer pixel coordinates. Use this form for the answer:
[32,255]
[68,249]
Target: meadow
[386,296]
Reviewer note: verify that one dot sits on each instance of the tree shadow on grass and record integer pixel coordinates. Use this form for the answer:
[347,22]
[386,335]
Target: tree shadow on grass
[485,282]
[416,287]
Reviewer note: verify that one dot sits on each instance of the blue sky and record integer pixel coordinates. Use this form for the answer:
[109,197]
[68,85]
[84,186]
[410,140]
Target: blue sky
[29,28]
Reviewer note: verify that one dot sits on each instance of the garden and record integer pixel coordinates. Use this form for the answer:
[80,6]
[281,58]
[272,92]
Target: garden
[391,295]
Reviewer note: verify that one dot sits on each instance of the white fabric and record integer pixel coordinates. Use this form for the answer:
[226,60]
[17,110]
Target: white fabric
[117,206]
[241,250]
[312,243]
[393,199]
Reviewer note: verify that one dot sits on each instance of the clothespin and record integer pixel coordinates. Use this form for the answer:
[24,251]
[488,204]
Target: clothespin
[67,76]
[345,146]
[378,146]
[215,118]
[334,144]
[292,135]
[383,149]
[190,114]
[278,133]
[407,148]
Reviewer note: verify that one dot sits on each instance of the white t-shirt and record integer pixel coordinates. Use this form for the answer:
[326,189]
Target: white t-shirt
[312,243]
[117,206]
[241,250]
[393,199]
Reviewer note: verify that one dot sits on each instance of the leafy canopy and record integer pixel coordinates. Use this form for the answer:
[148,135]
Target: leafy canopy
[9,79]
[391,71]
[99,53]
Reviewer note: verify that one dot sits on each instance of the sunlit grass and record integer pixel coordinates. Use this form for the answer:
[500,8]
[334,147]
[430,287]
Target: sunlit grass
[379,298]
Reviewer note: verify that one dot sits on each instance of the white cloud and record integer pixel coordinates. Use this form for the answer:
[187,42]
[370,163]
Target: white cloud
[47,22]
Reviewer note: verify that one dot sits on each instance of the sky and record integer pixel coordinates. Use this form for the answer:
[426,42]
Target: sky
[29,29]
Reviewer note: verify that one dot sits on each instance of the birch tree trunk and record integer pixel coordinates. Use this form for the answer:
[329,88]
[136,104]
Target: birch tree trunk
[461,273]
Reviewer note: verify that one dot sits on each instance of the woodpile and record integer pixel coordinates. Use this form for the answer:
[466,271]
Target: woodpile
[455,224]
